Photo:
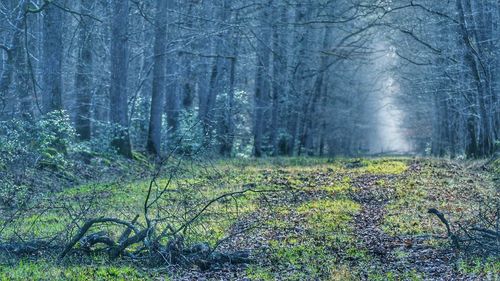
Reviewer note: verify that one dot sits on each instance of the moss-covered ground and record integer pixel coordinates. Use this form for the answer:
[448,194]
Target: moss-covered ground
[346,219]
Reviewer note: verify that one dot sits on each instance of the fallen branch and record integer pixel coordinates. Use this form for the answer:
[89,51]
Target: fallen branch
[85,228]
[450,234]
[490,233]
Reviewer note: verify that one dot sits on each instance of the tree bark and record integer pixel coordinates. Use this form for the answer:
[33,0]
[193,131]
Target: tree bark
[262,84]
[52,58]
[119,71]
[12,47]
[280,72]
[159,79]
[84,74]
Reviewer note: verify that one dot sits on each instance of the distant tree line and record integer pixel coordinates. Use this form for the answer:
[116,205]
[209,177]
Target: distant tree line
[259,77]
[450,61]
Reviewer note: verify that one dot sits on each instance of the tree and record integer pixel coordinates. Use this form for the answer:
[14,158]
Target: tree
[52,58]
[119,72]
[262,84]
[159,78]
[12,48]
[84,78]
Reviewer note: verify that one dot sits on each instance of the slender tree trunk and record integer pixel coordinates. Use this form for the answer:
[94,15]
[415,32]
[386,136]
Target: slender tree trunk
[280,71]
[24,84]
[159,79]
[262,84]
[12,47]
[173,102]
[310,120]
[52,58]
[226,130]
[208,121]
[205,71]
[187,90]
[119,70]
[84,72]
[296,91]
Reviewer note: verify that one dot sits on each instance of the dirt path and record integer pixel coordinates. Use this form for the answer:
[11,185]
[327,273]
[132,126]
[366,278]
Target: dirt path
[403,256]
[388,257]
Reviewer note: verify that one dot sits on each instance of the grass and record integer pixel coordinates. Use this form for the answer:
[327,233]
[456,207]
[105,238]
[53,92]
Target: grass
[383,166]
[452,190]
[341,187]
[307,231]
[480,266]
[45,270]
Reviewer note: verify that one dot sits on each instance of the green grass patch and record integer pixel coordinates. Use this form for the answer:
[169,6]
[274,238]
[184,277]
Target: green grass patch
[447,186]
[489,268]
[50,271]
[383,167]
[330,218]
[342,187]
[313,255]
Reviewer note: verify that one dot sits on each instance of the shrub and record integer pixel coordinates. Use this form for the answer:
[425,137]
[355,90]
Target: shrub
[42,142]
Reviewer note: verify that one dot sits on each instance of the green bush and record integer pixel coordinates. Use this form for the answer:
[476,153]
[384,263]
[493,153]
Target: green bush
[42,142]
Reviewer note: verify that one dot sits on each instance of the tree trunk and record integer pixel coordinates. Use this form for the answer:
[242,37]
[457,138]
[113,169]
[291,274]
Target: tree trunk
[280,71]
[159,79]
[12,46]
[173,106]
[226,127]
[84,71]
[262,84]
[483,142]
[187,89]
[52,58]
[226,131]
[119,71]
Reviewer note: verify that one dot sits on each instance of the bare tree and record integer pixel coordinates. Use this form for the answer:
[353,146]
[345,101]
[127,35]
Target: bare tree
[119,72]
[159,78]
[52,57]
[84,74]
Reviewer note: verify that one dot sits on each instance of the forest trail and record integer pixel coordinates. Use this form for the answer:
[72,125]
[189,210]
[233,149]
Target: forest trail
[366,220]
[345,219]
[399,253]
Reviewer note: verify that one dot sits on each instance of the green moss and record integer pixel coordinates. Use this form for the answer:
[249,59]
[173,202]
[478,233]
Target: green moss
[496,167]
[444,185]
[295,253]
[259,273]
[342,187]
[329,215]
[383,167]
[314,256]
[301,260]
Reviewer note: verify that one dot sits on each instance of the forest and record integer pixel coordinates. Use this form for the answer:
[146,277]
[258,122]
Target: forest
[249,140]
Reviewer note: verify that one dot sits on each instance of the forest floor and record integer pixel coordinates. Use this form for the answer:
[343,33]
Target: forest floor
[349,219]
